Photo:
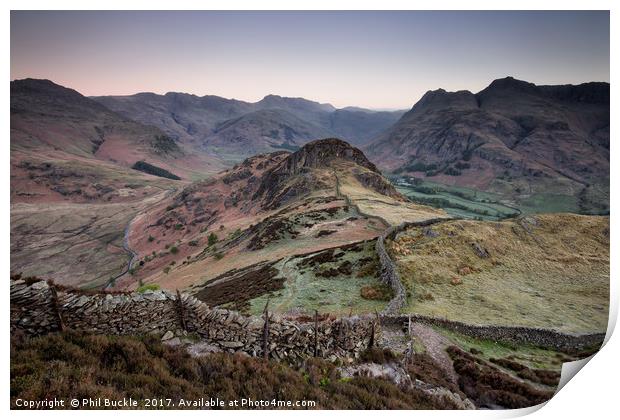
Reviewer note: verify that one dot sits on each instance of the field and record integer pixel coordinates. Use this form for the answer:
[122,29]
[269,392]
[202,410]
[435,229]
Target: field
[548,271]
[471,203]
[388,209]
[457,201]
[329,281]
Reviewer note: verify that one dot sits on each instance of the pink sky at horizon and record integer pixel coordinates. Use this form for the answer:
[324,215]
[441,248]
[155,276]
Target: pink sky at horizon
[378,60]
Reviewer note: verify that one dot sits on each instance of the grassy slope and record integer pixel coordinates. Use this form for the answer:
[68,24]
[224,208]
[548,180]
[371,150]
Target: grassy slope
[75,244]
[557,276]
[305,290]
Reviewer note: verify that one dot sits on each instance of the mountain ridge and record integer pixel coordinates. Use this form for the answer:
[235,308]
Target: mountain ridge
[510,137]
[194,119]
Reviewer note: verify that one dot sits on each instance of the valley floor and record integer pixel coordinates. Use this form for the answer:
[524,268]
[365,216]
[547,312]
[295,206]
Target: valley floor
[76,244]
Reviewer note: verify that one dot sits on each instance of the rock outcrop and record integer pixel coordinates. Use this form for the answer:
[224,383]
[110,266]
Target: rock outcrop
[312,168]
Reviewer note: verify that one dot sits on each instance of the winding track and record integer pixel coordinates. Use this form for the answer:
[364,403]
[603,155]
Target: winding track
[131,253]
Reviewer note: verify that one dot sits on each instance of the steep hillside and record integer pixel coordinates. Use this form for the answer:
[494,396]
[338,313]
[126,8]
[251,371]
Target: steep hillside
[274,122]
[361,125]
[513,137]
[52,121]
[305,109]
[262,131]
[187,118]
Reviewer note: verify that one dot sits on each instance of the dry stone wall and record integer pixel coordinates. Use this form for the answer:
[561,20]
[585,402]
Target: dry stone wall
[540,337]
[389,271]
[40,308]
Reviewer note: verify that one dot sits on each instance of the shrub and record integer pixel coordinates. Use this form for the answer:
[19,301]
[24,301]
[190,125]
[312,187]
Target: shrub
[212,240]
[146,287]
[467,155]
[174,250]
[380,292]
[424,368]
[369,269]
[94,366]
[235,234]
[164,145]
[487,386]
[166,270]
[452,172]
[218,255]
[193,243]
[427,296]
[151,238]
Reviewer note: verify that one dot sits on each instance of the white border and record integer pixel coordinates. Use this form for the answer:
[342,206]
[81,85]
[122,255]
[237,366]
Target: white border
[591,395]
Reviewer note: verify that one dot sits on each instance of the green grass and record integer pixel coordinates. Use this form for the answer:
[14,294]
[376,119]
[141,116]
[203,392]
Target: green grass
[457,201]
[477,202]
[147,287]
[533,357]
[549,203]
[337,295]
[556,276]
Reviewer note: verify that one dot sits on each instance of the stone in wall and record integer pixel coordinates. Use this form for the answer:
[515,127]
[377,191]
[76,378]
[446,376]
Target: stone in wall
[34,311]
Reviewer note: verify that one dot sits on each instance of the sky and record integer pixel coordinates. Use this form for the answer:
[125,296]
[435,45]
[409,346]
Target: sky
[376,59]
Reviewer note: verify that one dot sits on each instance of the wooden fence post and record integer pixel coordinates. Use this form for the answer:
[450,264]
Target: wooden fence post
[410,356]
[56,308]
[376,322]
[316,333]
[180,311]
[266,331]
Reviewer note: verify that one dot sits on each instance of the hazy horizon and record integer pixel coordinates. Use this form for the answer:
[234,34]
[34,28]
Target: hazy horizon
[376,60]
